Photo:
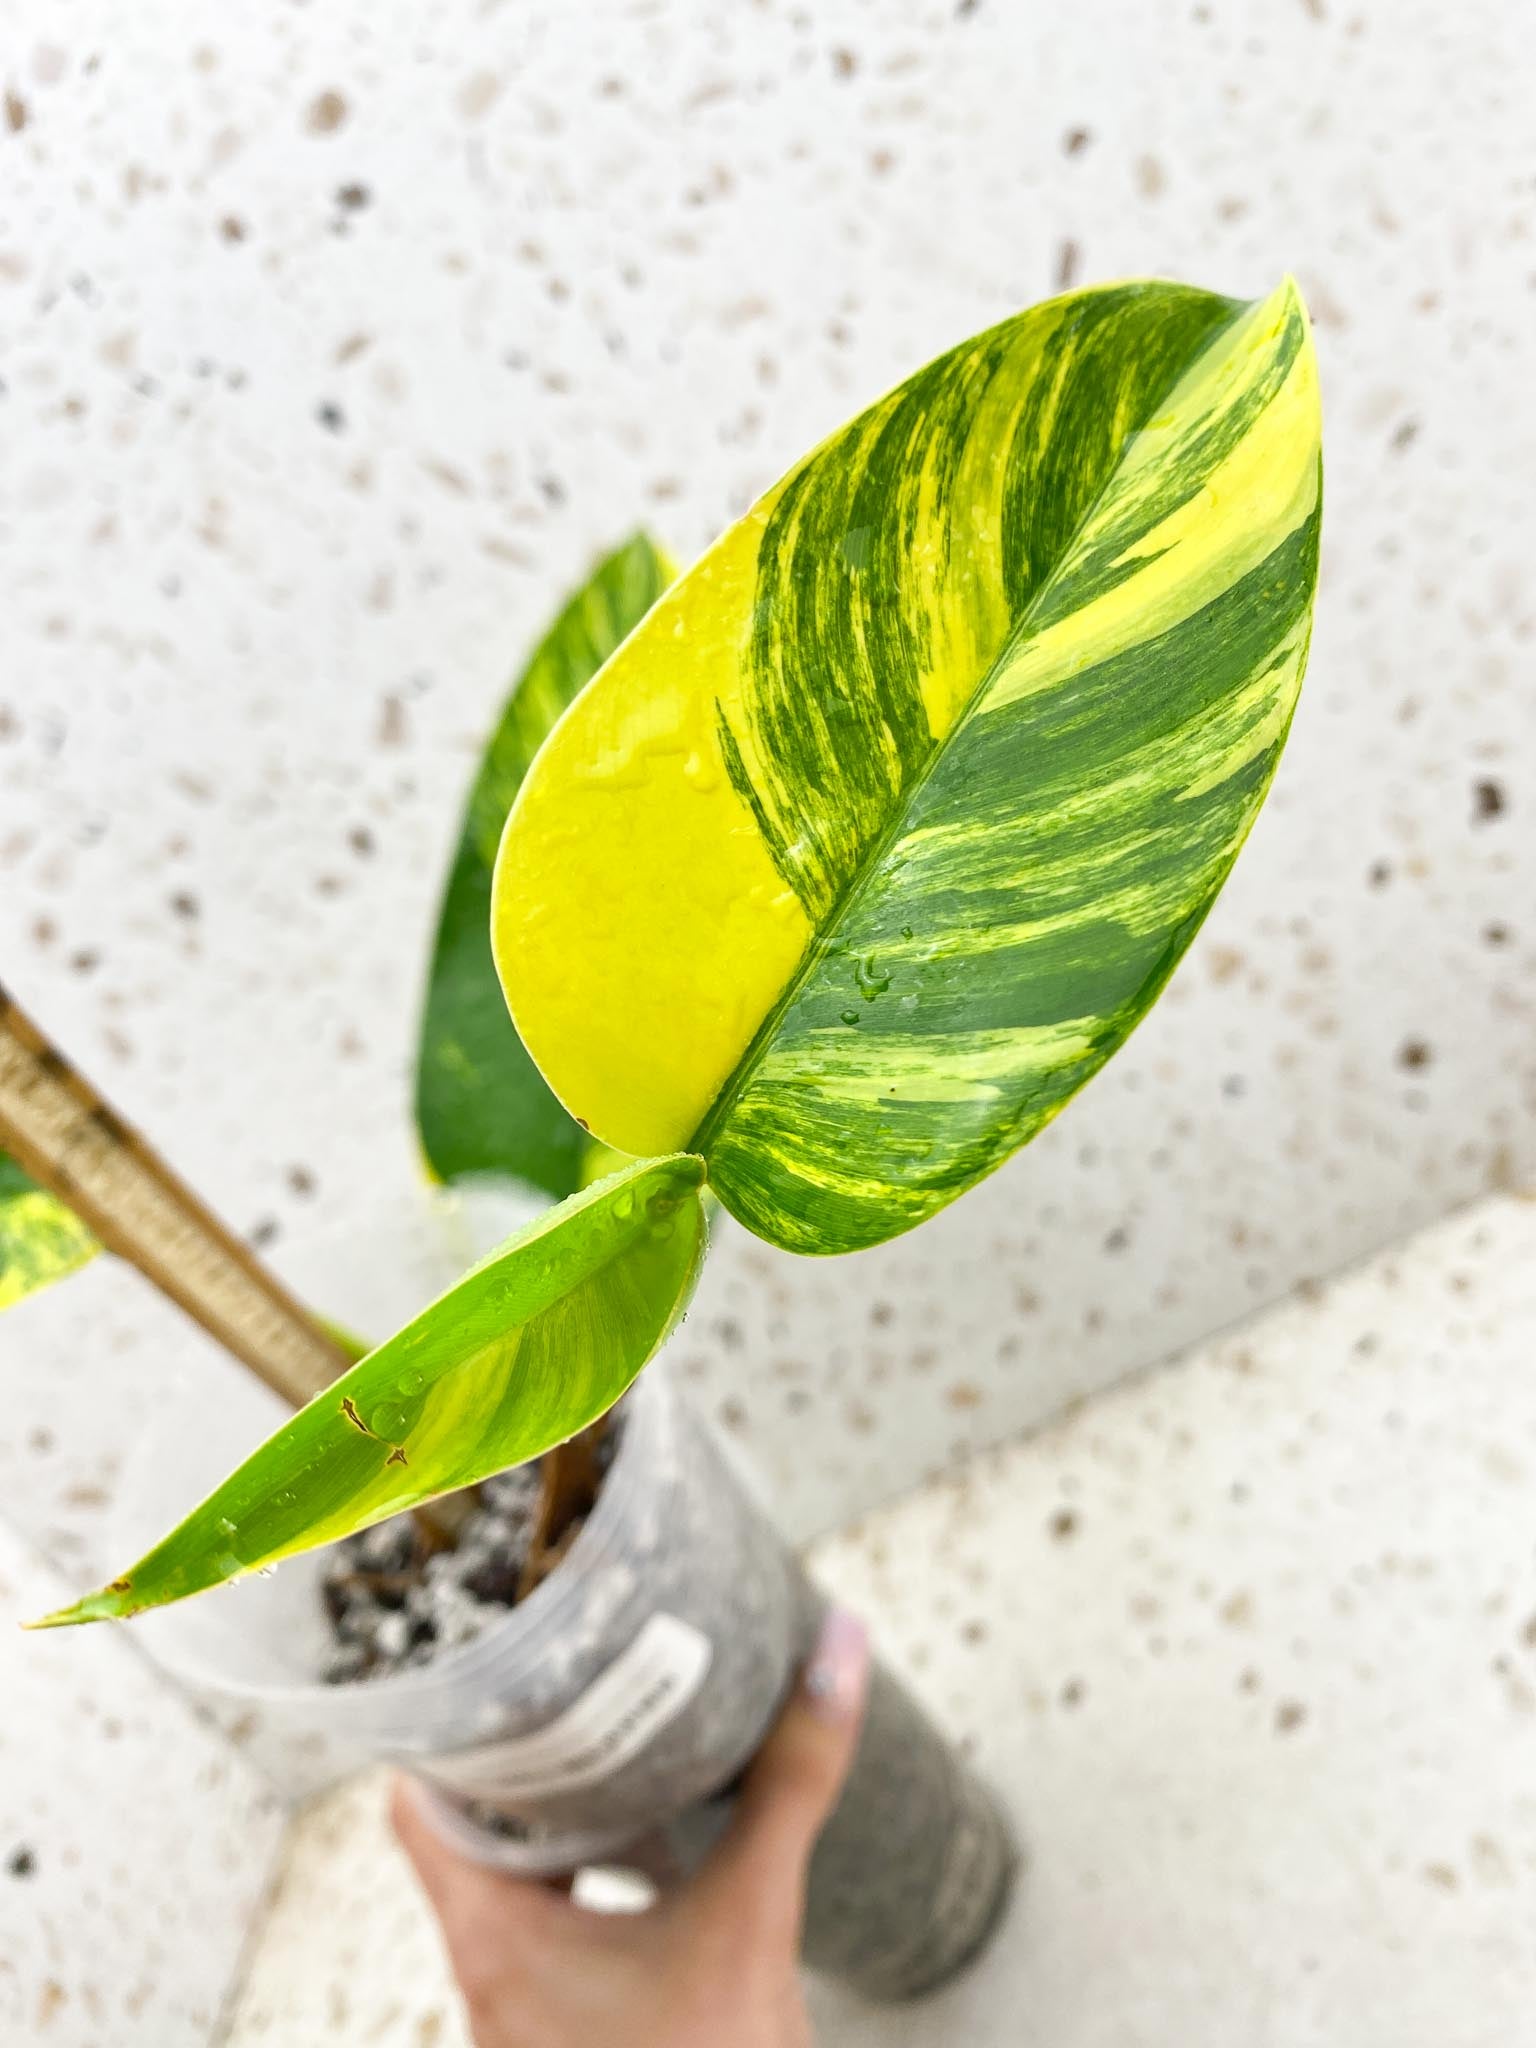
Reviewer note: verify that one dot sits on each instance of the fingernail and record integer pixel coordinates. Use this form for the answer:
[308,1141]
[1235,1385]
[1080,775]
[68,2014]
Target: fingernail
[834,1676]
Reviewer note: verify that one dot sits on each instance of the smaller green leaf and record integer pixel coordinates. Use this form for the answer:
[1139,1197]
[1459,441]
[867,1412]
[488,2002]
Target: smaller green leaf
[40,1239]
[531,1346]
[481,1104]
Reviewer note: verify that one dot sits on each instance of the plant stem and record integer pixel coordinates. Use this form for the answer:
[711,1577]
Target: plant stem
[61,1131]
[569,1479]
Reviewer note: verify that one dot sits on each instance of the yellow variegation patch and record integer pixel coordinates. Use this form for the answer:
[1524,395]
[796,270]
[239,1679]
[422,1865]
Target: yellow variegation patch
[40,1240]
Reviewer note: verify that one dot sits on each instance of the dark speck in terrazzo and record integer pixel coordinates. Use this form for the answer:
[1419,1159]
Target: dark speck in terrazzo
[1488,799]
[326,113]
[21,1862]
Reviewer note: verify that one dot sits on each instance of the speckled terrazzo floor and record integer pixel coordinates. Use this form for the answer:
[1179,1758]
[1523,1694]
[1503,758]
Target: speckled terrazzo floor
[136,1847]
[1249,1646]
[336,340]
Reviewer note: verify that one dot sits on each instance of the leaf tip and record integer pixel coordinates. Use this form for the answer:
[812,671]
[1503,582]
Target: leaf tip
[110,1602]
[106,1604]
[1288,295]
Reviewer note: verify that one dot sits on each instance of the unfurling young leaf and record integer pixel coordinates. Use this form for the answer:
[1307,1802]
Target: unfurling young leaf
[537,1341]
[40,1240]
[481,1104]
[888,825]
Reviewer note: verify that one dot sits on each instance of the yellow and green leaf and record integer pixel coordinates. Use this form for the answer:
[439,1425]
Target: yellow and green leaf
[888,825]
[40,1239]
[528,1348]
[481,1104]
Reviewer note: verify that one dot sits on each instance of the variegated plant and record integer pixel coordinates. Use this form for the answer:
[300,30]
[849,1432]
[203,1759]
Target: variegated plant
[859,857]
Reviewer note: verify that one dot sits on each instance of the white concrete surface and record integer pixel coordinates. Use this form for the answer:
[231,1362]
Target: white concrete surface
[135,1846]
[335,340]
[1249,1645]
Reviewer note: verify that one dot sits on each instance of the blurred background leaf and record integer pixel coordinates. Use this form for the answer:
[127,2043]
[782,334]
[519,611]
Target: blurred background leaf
[482,1107]
[40,1240]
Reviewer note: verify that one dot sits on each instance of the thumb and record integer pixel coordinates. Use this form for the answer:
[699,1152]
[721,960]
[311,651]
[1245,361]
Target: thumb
[792,1786]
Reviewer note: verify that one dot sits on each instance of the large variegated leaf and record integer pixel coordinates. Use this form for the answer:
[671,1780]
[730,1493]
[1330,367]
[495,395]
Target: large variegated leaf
[889,824]
[40,1240]
[529,1347]
[481,1104]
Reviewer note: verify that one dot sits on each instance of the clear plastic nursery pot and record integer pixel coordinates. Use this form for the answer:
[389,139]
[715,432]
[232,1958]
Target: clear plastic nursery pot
[607,1716]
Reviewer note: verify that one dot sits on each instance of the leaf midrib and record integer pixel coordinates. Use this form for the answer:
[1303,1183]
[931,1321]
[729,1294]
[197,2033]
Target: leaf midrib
[865,869]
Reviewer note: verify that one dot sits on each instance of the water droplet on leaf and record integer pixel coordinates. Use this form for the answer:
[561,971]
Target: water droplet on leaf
[872,980]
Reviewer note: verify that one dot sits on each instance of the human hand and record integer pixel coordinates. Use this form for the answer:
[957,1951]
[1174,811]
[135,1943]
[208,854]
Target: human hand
[712,1964]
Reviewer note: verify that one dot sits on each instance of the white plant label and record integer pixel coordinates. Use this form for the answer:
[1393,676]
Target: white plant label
[643,1689]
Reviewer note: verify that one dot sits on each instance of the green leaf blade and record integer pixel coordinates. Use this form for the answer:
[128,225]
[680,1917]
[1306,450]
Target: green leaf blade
[482,1107]
[40,1239]
[531,1346]
[884,831]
